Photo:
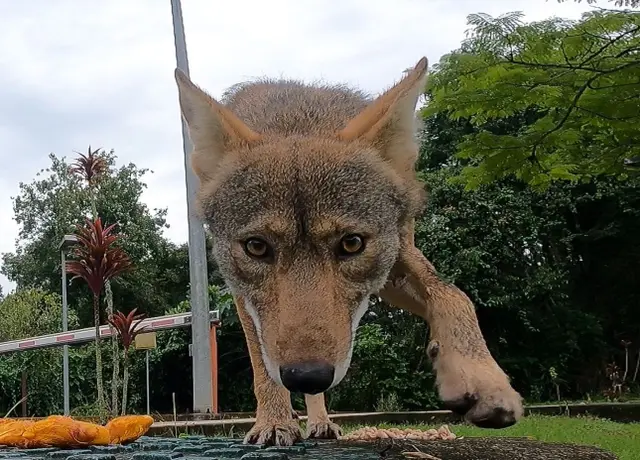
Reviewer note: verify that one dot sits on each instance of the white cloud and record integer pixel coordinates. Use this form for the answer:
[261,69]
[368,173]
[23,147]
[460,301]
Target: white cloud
[101,73]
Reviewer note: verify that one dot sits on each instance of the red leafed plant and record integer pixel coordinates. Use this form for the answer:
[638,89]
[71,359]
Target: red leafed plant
[96,260]
[90,166]
[127,328]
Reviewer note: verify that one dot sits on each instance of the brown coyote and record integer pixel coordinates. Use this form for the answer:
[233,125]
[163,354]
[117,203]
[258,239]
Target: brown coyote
[310,195]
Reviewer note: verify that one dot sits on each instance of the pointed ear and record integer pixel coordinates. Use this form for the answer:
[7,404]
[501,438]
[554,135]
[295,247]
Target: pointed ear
[214,130]
[389,122]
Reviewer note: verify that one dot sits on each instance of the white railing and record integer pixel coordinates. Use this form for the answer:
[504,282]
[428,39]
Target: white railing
[78,336]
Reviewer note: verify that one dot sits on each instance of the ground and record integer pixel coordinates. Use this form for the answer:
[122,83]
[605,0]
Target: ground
[477,444]
[623,439]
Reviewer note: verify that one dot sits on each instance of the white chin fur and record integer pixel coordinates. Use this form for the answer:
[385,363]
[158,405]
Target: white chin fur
[343,367]
[272,369]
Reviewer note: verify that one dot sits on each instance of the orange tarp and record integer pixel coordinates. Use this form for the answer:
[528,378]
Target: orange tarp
[59,431]
[128,428]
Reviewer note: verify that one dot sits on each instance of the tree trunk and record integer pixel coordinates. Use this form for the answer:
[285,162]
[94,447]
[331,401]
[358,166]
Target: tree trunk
[498,448]
[115,355]
[96,320]
[125,381]
[93,197]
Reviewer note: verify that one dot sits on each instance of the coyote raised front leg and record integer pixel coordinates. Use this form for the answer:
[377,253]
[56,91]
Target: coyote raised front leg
[469,380]
[274,421]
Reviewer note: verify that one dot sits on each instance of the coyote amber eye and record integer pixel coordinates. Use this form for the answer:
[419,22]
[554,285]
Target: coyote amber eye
[351,245]
[256,248]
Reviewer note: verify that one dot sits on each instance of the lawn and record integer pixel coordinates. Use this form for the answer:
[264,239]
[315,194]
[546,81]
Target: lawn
[621,438]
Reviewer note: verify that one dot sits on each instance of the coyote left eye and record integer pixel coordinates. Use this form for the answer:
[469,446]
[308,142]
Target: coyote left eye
[351,245]
[257,248]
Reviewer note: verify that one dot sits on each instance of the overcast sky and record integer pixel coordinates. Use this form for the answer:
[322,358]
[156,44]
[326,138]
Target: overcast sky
[77,72]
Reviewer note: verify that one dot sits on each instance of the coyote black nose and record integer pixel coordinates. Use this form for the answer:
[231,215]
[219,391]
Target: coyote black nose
[311,377]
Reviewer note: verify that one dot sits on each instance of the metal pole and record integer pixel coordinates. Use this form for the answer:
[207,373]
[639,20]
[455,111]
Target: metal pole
[24,393]
[65,327]
[214,368]
[148,392]
[198,278]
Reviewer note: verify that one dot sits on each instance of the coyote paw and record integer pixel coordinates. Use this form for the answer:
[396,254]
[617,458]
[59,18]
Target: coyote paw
[274,434]
[479,390]
[323,430]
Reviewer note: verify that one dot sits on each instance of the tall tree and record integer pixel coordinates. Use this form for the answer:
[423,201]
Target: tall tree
[91,168]
[580,80]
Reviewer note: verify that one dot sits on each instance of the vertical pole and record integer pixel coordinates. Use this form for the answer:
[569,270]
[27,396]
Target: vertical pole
[24,393]
[198,278]
[148,392]
[213,343]
[65,327]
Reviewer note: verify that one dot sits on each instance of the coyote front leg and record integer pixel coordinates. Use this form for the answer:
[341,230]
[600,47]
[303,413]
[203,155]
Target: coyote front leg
[469,380]
[274,415]
[318,424]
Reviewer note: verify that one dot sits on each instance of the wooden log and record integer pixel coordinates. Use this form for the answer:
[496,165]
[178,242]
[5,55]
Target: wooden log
[490,448]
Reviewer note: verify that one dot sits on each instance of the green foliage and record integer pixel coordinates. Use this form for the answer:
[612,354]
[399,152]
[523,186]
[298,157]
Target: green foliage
[579,81]
[389,358]
[619,3]
[24,314]
[542,267]
[56,201]
[388,403]
[31,312]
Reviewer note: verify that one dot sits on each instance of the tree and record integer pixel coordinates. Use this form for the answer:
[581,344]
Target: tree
[28,313]
[53,204]
[626,3]
[91,168]
[579,81]
[50,206]
[97,261]
[537,263]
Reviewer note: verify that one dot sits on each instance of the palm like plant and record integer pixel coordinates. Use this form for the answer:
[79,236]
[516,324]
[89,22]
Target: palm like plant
[97,260]
[91,168]
[127,328]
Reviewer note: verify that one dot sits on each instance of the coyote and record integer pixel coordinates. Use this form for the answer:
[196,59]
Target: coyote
[310,195]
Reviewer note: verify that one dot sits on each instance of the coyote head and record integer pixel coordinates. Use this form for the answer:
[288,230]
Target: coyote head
[306,191]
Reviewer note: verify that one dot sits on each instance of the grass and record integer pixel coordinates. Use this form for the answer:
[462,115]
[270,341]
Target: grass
[623,439]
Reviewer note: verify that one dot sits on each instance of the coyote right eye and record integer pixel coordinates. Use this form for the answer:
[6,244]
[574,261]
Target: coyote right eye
[257,248]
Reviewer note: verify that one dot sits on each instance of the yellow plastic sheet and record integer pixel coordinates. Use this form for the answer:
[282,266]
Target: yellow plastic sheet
[59,431]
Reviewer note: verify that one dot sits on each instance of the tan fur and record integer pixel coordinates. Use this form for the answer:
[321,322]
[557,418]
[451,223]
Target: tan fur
[319,426]
[468,377]
[299,167]
[274,420]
